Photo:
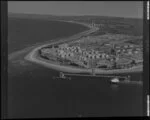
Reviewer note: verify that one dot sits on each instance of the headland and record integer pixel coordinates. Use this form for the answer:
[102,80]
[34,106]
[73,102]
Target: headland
[75,54]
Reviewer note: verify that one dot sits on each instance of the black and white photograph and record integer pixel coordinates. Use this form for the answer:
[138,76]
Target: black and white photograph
[74,59]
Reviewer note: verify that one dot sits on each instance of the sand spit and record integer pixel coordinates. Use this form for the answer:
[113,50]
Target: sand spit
[33,57]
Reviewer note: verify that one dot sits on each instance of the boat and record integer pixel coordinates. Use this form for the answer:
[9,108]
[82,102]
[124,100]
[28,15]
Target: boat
[62,77]
[115,80]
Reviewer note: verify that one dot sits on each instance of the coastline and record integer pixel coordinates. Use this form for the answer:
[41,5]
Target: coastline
[32,57]
[56,40]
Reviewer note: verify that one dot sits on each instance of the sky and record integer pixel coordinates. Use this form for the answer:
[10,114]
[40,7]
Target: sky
[133,9]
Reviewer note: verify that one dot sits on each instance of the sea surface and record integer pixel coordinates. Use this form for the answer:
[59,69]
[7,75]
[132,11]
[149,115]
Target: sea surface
[32,93]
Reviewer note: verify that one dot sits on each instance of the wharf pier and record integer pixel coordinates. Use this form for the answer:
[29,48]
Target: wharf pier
[113,79]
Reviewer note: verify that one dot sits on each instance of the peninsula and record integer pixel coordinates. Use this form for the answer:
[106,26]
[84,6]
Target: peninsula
[84,52]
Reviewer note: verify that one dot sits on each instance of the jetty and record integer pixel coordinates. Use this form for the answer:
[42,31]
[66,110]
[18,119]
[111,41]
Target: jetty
[113,79]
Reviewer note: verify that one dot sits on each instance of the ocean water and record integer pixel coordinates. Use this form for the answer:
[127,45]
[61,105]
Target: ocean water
[32,93]
[25,32]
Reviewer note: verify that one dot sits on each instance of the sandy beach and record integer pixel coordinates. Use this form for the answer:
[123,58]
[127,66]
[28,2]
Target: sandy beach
[33,57]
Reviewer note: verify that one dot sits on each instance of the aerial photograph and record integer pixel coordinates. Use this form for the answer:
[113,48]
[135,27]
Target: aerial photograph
[75,59]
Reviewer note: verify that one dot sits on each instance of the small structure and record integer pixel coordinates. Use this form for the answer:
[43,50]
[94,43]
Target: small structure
[131,46]
[126,46]
[136,52]
[63,45]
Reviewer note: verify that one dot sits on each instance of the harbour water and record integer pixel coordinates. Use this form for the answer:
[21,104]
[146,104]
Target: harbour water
[33,93]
